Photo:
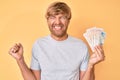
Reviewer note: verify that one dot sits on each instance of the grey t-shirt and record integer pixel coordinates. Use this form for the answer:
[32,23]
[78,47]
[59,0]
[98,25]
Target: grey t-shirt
[59,60]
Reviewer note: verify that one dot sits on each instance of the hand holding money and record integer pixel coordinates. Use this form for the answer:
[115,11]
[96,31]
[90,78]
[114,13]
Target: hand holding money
[95,38]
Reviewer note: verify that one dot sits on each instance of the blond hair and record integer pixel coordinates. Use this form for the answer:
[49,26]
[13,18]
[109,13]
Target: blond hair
[58,8]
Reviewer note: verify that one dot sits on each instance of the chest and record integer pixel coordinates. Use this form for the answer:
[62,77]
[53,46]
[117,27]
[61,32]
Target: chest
[60,58]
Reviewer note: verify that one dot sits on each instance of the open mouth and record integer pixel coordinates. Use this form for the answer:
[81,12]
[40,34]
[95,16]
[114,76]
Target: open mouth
[57,28]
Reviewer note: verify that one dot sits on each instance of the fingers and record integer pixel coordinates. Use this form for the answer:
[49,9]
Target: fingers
[99,52]
[15,48]
[16,51]
[20,45]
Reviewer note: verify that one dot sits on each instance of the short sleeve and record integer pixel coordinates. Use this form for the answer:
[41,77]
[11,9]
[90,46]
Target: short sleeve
[35,65]
[85,60]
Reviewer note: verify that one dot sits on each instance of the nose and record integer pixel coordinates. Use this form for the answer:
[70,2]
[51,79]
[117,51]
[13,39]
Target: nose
[57,21]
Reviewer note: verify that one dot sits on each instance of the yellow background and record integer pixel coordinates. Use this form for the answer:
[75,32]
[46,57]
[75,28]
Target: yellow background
[23,21]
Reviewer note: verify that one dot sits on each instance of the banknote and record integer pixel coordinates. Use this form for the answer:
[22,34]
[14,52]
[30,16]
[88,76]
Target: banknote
[95,36]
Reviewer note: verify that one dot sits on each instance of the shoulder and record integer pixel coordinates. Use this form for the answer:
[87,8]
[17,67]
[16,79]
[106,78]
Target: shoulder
[80,45]
[77,41]
[41,40]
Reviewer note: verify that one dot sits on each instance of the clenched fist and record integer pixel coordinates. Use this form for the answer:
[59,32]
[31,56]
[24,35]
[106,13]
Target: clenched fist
[17,51]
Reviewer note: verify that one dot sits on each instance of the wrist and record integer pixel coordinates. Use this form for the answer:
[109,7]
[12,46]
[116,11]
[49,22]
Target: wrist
[90,66]
[20,60]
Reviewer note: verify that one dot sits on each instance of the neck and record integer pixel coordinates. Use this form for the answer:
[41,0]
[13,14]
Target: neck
[59,38]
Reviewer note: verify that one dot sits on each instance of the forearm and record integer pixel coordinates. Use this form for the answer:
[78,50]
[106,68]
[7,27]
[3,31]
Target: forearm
[26,72]
[89,75]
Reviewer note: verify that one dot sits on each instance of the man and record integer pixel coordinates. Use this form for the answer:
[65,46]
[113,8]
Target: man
[58,56]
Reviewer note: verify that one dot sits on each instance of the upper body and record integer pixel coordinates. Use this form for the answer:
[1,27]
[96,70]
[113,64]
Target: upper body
[59,60]
[62,55]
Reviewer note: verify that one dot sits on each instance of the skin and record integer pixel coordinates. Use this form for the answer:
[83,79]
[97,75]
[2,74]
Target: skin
[58,25]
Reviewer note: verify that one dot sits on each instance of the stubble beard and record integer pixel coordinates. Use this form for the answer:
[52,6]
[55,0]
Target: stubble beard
[58,34]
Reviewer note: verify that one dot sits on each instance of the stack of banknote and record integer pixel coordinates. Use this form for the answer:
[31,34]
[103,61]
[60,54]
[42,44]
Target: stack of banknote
[94,36]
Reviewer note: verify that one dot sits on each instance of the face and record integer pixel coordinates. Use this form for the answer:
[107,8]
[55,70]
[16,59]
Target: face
[58,25]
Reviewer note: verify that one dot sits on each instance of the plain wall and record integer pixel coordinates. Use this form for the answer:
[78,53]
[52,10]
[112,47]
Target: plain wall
[24,21]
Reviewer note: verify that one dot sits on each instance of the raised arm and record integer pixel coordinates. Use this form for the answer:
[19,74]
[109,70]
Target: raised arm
[17,52]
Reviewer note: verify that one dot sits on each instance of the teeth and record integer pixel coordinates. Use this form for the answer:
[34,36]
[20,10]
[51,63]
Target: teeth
[57,27]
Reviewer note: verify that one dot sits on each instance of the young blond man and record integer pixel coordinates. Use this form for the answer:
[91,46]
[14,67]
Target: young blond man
[58,56]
